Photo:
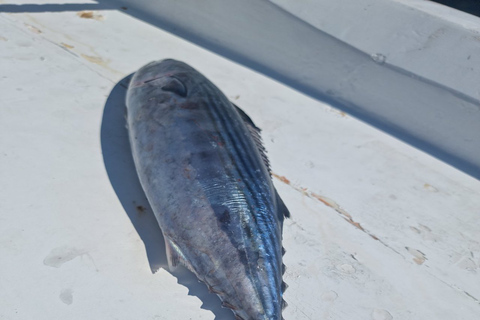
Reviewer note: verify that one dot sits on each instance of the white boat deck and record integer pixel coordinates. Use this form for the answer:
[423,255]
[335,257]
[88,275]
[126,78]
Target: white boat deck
[379,230]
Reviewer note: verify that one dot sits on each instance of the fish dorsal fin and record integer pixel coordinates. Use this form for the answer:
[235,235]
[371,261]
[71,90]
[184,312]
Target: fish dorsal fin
[255,134]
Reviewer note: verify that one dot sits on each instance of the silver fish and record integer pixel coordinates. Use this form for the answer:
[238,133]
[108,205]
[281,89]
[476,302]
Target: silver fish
[203,168]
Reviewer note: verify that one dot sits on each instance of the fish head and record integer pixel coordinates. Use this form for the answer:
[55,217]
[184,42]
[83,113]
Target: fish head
[174,83]
[167,75]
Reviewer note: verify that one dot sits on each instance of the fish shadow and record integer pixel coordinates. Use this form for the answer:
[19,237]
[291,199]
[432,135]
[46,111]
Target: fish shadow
[120,168]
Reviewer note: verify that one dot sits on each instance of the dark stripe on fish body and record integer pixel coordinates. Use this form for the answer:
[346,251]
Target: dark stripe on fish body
[216,120]
[267,234]
[243,157]
[241,152]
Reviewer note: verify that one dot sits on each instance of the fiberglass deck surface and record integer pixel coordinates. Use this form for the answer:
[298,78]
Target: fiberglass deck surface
[379,230]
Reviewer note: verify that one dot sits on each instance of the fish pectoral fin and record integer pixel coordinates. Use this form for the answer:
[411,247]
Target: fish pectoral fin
[175,257]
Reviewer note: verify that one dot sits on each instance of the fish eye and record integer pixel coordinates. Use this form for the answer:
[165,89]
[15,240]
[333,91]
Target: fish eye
[176,86]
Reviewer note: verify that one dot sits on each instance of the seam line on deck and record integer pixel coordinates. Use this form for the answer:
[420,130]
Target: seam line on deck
[335,206]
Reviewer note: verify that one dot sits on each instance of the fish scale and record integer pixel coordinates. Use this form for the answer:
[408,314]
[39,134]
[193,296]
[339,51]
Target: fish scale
[205,173]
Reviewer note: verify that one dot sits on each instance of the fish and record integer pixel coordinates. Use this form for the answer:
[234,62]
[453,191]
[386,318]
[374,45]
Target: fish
[202,164]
